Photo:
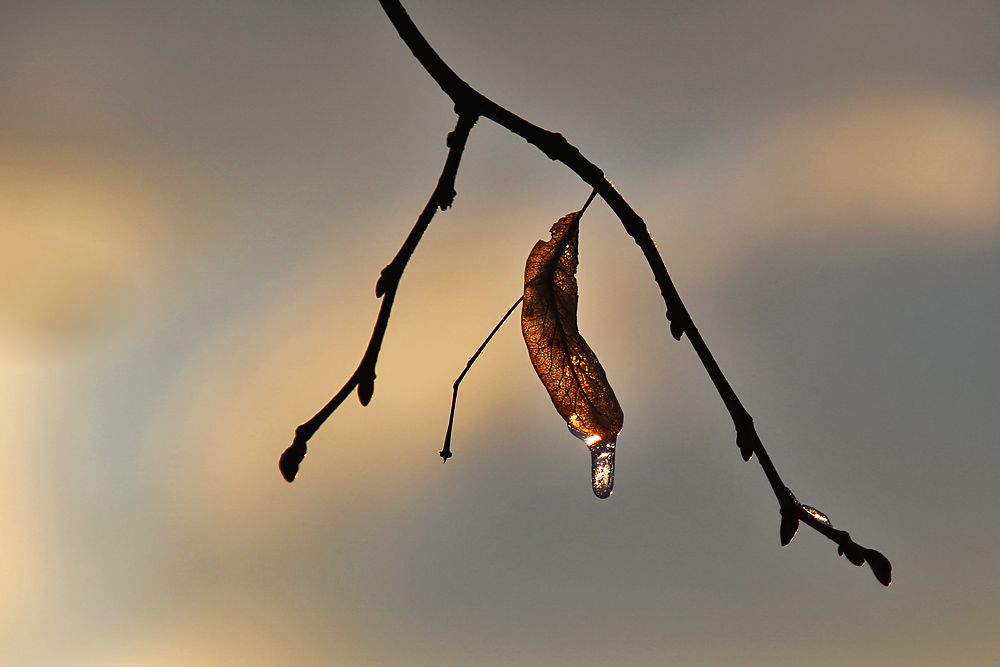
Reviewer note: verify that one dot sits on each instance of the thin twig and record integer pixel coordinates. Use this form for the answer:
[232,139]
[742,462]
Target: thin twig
[446,451]
[364,377]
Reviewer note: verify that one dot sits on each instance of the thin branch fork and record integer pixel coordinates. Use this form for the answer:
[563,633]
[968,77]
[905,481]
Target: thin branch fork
[469,106]
[363,379]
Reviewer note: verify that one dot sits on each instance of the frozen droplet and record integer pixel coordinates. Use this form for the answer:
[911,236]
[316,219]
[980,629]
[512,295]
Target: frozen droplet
[602,462]
[816,514]
[602,465]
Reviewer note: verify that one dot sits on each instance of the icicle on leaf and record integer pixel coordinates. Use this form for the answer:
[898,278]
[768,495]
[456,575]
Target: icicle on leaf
[565,364]
[816,514]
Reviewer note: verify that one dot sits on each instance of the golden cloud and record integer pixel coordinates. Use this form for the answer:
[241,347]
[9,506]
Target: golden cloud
[897,159]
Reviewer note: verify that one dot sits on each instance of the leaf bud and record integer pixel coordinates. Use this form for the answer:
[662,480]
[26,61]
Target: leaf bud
[789,526]
[881,567]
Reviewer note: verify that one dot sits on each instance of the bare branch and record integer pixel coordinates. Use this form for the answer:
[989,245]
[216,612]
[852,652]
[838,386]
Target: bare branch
[556,147]
[364,377]
[470,105]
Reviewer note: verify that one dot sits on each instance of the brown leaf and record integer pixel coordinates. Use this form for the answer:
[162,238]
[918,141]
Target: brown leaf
[566,365]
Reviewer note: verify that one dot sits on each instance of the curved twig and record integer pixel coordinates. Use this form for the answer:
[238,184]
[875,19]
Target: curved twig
[446,450]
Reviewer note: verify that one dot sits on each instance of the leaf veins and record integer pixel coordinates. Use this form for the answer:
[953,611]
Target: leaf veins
[565,364]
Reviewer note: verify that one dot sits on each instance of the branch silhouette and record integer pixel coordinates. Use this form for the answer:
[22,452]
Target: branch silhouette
[470,105]
[446,450]
[388,283]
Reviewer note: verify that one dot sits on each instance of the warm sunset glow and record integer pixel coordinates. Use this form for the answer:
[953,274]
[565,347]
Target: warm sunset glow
[196,200]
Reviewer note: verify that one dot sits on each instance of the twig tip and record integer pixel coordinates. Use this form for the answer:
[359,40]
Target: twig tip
[290,459]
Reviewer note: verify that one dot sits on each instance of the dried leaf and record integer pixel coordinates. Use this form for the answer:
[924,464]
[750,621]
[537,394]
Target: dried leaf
[566,365]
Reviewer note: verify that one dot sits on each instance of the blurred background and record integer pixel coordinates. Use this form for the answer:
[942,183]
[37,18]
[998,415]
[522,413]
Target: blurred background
[197,198]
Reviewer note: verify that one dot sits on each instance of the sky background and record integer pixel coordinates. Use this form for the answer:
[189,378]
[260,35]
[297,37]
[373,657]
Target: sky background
[197,198]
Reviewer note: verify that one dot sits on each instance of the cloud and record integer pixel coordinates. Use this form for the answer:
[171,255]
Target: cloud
[910,161]
[78,239]
[896,163]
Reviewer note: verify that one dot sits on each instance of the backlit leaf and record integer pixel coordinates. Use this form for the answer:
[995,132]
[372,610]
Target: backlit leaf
[566,365]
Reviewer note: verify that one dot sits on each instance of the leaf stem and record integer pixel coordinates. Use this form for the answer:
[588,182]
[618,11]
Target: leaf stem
[446,451]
